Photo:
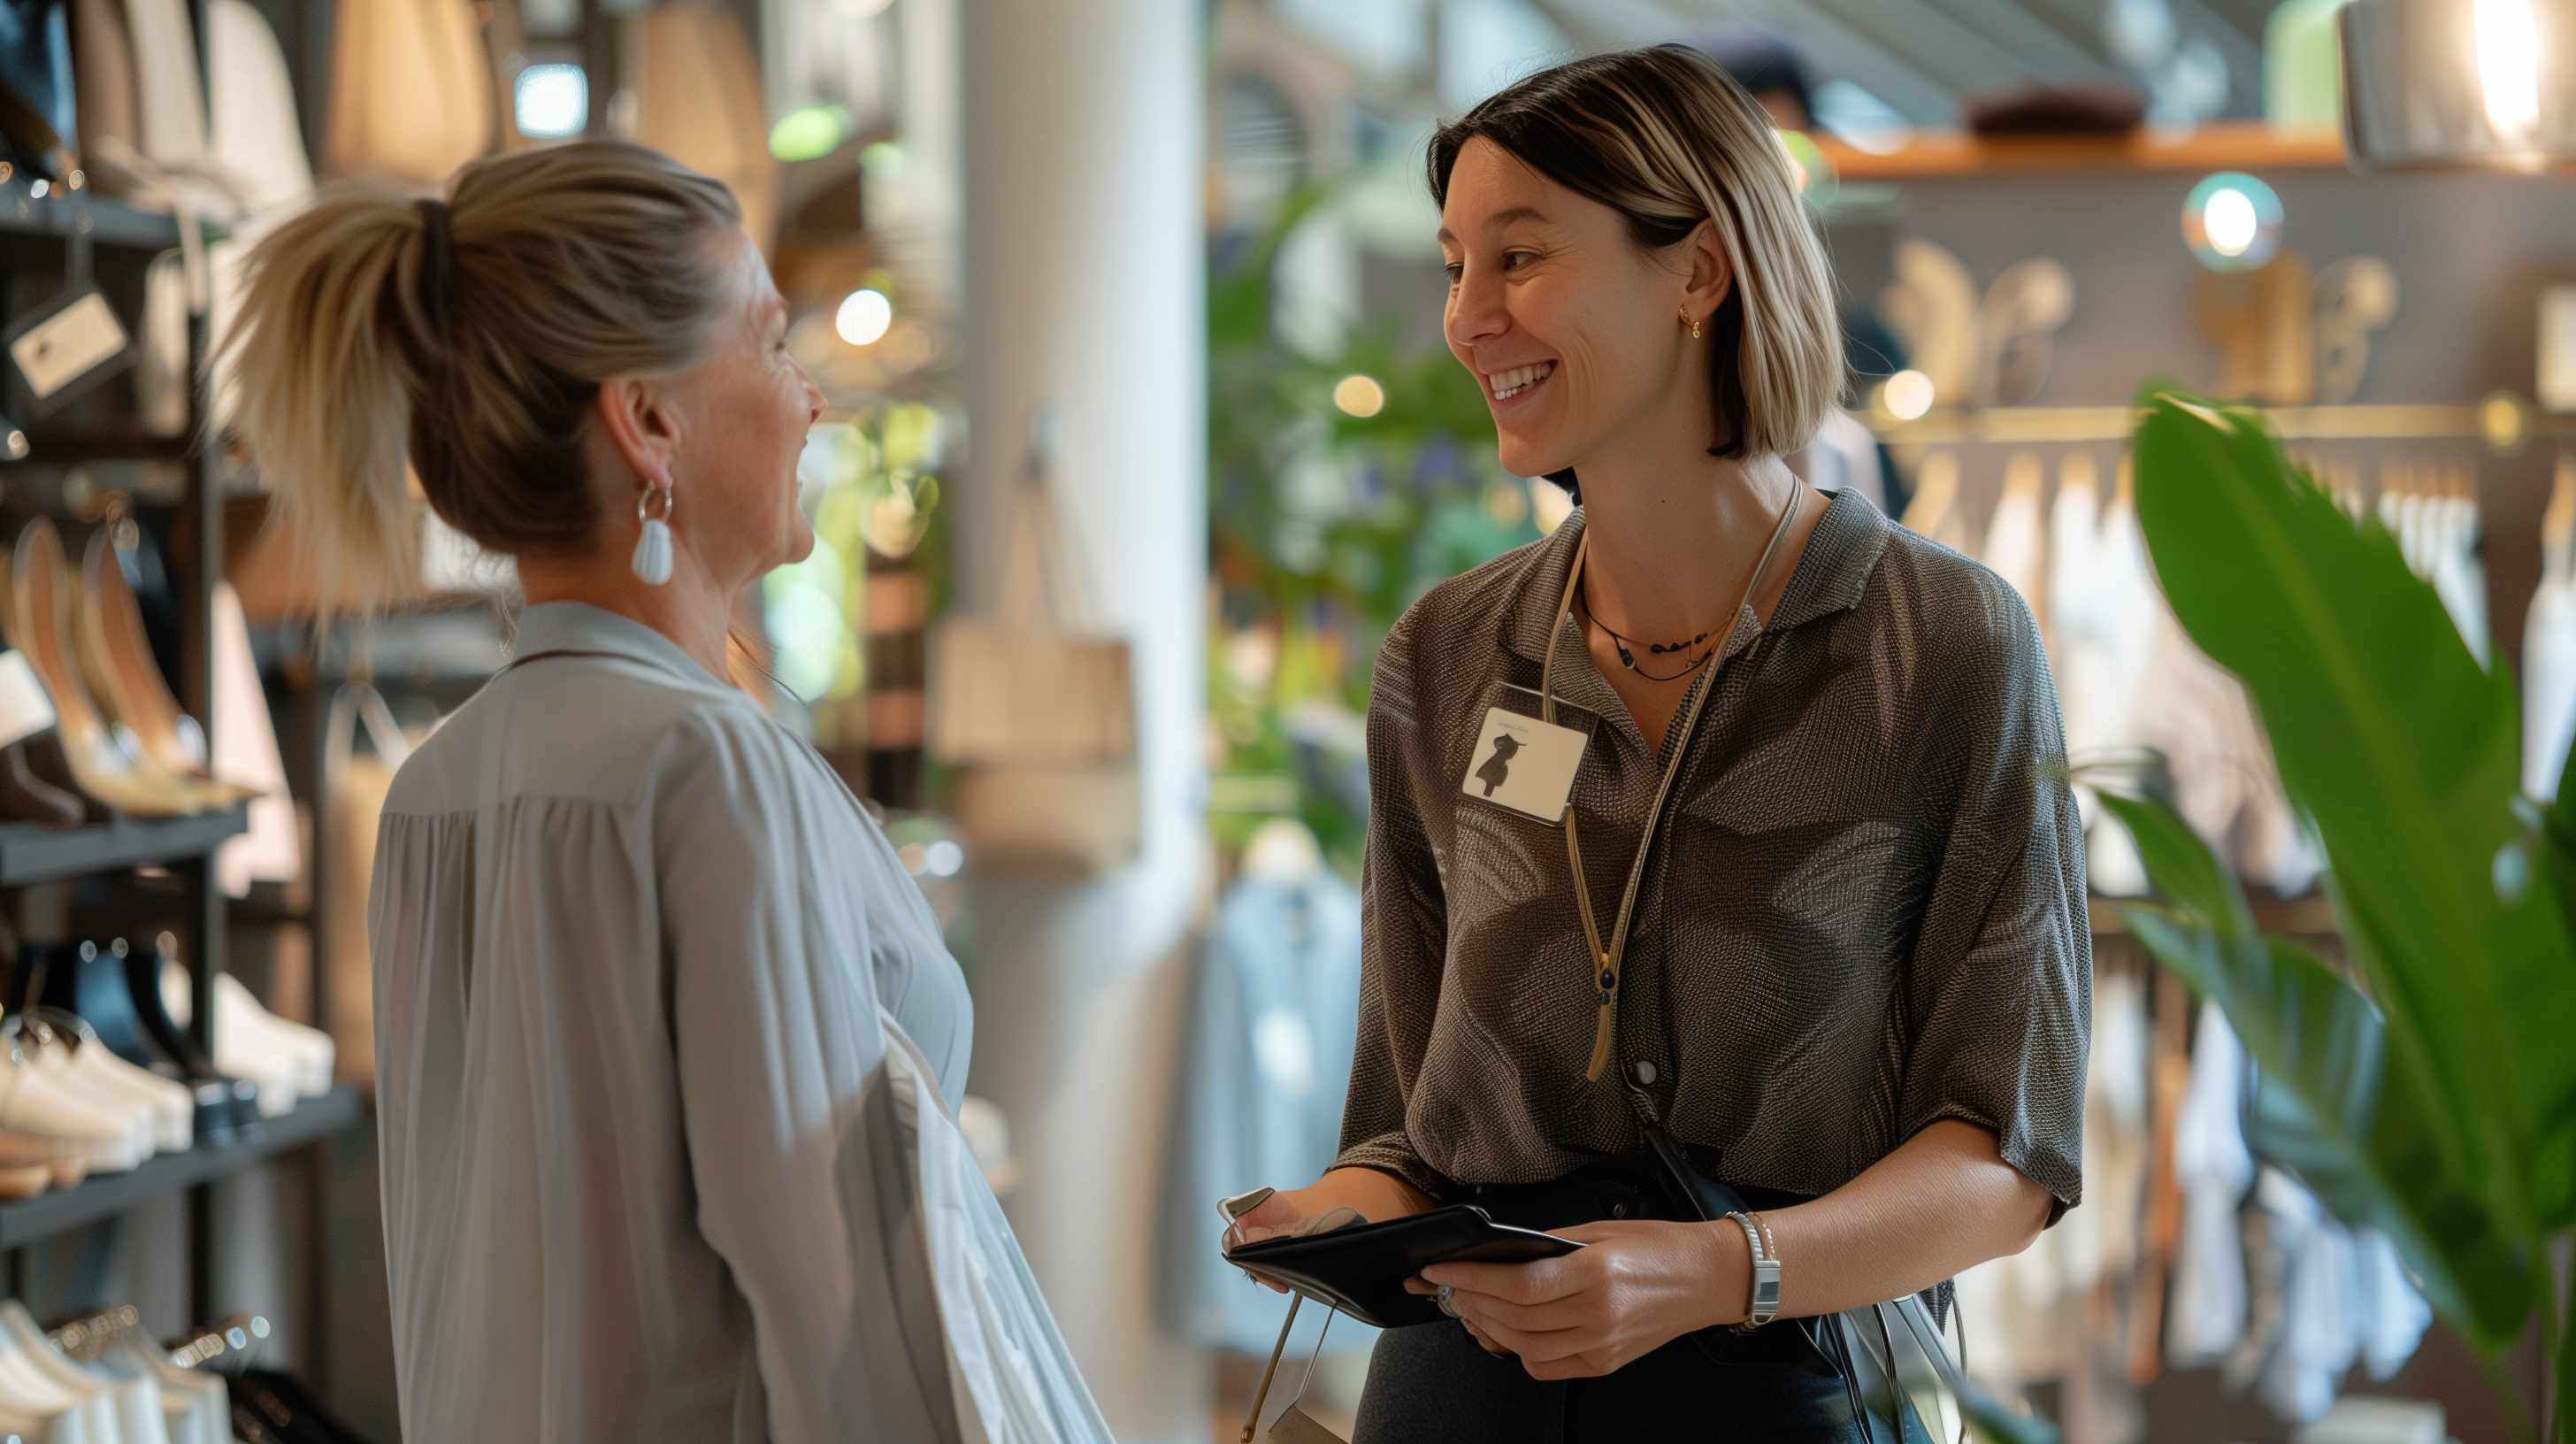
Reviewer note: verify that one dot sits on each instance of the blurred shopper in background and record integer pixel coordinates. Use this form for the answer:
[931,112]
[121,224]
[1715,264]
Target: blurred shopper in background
[1805,898]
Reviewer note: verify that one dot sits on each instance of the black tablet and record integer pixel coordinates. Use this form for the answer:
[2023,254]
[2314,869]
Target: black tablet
[1361,1270]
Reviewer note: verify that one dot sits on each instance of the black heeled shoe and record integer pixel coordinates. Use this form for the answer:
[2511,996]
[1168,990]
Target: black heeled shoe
[94,984]
[142,968]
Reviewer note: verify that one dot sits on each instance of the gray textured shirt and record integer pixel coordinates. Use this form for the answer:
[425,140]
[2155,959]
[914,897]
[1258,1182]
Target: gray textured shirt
[641,1179]
[1864,912]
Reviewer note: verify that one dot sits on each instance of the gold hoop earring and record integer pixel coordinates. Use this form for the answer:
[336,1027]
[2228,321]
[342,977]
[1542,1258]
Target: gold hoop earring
[1694,325]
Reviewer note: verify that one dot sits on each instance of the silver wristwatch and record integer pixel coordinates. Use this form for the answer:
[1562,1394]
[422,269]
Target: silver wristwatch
[1764,1305]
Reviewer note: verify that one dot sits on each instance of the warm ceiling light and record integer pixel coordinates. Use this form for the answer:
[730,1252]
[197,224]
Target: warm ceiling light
[1907,395]
[864,317]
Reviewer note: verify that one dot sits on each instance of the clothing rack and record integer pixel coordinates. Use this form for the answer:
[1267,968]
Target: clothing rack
[40,867]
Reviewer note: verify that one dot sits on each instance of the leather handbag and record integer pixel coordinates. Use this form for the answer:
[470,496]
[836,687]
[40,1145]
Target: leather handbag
[1038,717]
[697,93]
[411,92]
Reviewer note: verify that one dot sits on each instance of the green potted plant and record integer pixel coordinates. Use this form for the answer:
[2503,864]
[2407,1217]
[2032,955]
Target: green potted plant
[2429,1092]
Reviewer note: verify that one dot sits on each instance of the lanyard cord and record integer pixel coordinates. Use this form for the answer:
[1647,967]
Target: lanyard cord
[1608,958]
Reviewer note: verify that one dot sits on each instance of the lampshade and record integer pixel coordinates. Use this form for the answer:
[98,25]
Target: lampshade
[2449,84]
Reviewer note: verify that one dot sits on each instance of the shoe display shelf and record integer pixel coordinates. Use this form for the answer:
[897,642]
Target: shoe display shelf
[47,234]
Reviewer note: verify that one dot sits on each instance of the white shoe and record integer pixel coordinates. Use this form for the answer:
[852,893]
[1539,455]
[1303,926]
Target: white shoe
[174,1108]
[288,1061]
[309,1049]
[106,1136]
[141,1115]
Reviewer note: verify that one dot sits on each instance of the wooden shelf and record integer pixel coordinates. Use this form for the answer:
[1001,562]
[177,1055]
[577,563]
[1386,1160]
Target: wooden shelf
[2309,918]
[2233,146]
[2034,425]
[29,853]
[48,1214]
[67,448]
[113,223]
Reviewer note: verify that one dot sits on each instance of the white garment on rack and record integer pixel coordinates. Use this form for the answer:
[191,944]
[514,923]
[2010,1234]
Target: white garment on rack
[2016,546]
[2025,1311]
[2116,1121]
[196,1406]
[135,1402]
[2205,1316]
[2297,1356]
[2393,1313]
[2102,615]
[1843,457]
[2549,683]
[2450,525]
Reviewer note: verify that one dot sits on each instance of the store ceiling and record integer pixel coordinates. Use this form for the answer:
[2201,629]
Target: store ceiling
[1924,59]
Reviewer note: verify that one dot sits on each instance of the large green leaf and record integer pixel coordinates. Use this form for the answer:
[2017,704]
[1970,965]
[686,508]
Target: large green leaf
[2405,752]
[2336,1105]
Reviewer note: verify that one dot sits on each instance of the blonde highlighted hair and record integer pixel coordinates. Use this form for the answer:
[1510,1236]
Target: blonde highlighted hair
[1664,137]
[467,338]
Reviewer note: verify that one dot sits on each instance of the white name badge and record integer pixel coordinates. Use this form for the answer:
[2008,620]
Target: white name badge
[1524,764]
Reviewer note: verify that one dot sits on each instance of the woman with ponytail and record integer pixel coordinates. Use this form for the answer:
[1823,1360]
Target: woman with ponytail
[645,1173]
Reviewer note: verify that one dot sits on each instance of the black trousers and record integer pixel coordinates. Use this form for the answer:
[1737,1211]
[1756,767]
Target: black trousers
[1433,1383]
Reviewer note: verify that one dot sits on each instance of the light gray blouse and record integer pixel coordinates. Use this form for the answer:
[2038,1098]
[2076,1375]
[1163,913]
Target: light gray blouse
[630,937]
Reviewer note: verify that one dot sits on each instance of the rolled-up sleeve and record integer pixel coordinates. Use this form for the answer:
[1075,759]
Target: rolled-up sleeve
[789,1120]
[1403,936]
[1999,994]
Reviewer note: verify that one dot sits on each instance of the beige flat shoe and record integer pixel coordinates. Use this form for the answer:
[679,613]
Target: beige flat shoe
[32,590]
[126,682]
[17,1185]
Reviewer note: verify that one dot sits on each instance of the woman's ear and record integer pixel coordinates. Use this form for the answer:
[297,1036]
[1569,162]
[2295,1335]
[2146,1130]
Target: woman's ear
[636,417]
[1709,275]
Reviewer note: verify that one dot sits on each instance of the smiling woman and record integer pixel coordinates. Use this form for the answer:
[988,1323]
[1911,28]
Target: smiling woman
[1685,178]
[1777,994]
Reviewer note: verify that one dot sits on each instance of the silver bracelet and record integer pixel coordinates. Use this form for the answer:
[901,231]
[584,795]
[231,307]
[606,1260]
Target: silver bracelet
[1764,1305]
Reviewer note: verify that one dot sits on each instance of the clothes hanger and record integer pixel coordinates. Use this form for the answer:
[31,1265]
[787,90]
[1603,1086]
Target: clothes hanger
[135,1403]
[1936,493]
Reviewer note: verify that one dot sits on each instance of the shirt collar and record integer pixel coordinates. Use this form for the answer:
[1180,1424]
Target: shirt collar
[580,627]
[1831,576]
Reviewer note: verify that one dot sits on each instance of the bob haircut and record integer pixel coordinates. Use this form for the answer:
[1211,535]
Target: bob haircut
[1666,139]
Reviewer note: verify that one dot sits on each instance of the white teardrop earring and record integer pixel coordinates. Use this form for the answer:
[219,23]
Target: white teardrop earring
[652,560]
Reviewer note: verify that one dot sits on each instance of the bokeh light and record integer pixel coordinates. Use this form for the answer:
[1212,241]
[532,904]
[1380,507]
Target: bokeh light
[1359,396]
[2232,222]
[864,317]
[1907,395]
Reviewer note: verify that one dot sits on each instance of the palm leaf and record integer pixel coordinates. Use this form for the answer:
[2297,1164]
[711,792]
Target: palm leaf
[2405,752]
[2337,1106]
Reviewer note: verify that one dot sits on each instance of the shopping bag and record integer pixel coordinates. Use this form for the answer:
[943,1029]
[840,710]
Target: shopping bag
[1038,716]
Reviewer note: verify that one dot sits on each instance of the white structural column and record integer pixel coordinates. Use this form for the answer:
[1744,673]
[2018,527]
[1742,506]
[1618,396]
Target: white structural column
[1083,291]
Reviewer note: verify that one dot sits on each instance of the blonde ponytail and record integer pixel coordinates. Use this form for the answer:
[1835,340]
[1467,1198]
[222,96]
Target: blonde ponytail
[470,342]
